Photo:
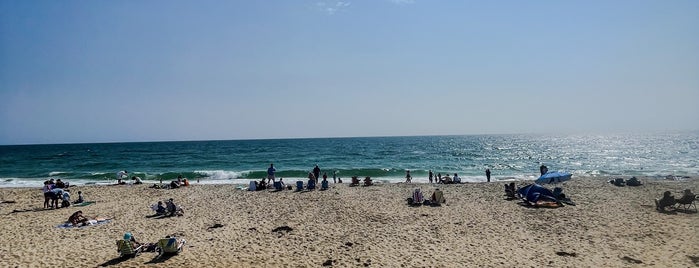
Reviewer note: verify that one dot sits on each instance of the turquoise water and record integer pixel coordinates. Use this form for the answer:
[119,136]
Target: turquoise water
[384,158]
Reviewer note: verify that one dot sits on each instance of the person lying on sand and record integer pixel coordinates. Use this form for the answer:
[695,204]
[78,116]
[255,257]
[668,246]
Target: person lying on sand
[78,219]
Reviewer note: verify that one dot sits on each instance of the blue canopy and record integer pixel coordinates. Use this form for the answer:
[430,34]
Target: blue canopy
[553,177]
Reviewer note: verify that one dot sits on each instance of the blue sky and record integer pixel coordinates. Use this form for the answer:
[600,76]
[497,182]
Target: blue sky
[102,71]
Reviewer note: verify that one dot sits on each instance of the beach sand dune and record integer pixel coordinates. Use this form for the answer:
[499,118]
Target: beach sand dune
[360,226]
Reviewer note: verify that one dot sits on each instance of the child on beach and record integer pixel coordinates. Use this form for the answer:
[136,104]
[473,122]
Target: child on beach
[80,198]
[408,178]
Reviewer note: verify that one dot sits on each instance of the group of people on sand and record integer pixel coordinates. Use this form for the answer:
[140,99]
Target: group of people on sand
[129,247]
[55,191]
[446,179]
[417,199]
[669,201]
[169,208]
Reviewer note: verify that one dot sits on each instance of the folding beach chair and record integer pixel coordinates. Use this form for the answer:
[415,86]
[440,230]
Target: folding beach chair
[324,185]
[170,246]
[126,249]
[687,200]
[299,186]
[311,185]
[278,185]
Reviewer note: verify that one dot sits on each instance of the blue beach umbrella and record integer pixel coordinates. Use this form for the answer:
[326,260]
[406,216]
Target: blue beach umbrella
[553,177]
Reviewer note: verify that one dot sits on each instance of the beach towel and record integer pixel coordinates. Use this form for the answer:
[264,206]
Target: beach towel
[86,203]
[69,225]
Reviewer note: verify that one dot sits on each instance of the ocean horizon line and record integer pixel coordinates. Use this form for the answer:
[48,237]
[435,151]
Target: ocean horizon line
[375,136]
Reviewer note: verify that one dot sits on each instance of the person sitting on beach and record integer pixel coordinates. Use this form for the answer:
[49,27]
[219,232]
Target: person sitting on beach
[368,181]
[60,184]
[456,178]
[66,199]
[339,180]
[666,201]
[137,180]
[262,185]
[80,198]
[174,185]
[131,239]
[311,176]
[446,180]
[510,190]
[185,182]
[437,197]
[174,210]
[355,181]
[324,183]
[159,208]
[281,181]
[416,199]
[77,219]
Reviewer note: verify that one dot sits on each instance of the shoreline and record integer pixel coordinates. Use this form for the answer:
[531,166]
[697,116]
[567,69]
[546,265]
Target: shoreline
[37,183]
[362,226]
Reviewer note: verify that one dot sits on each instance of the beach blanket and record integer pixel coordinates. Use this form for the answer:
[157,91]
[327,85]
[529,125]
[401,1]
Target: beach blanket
[68,225]
[86,203]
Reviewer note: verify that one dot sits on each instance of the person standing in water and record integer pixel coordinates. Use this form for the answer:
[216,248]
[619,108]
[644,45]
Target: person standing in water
[487,174]
[270,173]
[430,176]
[408,178]
[316,173]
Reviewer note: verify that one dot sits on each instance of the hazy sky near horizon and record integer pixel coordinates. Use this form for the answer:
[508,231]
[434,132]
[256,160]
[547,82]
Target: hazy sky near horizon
[102,71]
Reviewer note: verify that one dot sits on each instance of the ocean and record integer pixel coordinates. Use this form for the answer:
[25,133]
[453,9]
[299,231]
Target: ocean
[509,157]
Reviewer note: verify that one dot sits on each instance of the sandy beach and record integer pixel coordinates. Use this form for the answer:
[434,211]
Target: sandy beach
[360,226]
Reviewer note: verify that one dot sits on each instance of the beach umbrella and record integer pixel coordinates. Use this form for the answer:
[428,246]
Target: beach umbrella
[553,177]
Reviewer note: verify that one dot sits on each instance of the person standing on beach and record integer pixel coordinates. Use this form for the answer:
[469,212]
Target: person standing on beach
[325,176]
[316,173]
[270,172]
[487,174]
[431,175]
[120,175]
[408,178]
[334,176]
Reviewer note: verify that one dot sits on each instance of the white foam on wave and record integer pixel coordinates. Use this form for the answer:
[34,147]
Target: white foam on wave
[220,174]
[21,182]
[56,173]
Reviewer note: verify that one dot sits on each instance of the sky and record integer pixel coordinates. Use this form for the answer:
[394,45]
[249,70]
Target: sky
[119,71]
